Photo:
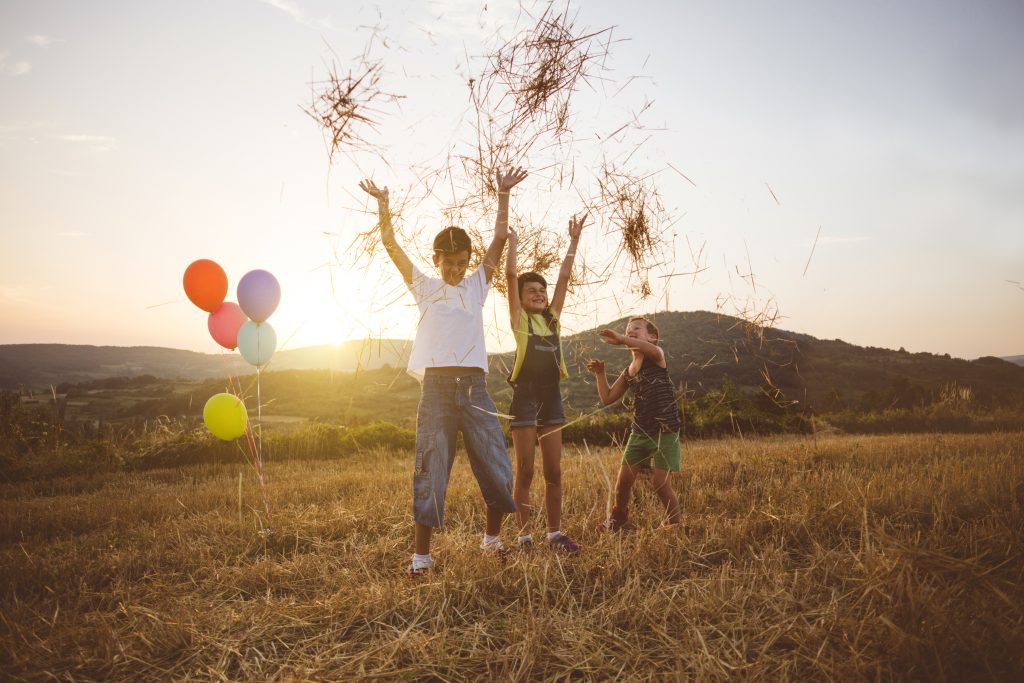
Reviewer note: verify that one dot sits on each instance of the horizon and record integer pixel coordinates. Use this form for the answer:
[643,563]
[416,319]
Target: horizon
[408,341]
[852,171]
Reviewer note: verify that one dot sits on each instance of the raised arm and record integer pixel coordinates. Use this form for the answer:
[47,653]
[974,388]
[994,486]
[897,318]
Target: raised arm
[652,351]
[387,230]
[512,278]
[575,230]
[505,184]
[608,394]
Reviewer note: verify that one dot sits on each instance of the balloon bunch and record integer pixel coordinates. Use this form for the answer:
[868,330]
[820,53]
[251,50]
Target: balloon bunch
[244,326]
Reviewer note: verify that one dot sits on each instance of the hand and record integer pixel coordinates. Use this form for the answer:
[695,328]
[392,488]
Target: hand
[595,366]
[576,226]
[511,179]
[612,337]
[378,193]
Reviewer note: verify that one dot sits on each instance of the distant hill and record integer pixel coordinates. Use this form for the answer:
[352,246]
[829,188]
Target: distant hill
[705,351]
[1018,360]
[366,354]
[37,366]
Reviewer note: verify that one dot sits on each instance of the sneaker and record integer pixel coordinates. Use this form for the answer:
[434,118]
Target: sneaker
[563,544]
[615,523]
[418,572]
[497,550]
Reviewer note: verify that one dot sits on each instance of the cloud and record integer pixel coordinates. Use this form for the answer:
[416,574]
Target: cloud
[16,294]
[834,239]
[20,130]
[40,40]
[18,68]
[289,8]
[67,174]
[469,18]
[85,138]
[298,15]
[840,239]
[97,143]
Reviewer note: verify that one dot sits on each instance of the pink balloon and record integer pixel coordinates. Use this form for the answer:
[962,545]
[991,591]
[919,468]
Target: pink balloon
[258,294]
[224,324]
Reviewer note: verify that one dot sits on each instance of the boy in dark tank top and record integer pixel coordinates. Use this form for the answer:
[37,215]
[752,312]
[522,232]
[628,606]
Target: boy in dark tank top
[654,433]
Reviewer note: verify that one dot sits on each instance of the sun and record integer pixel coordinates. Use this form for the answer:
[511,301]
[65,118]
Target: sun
[324,307]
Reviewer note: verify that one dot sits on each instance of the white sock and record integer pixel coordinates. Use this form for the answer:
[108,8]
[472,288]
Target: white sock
[528,538]
[490,541]
[422,561]
[552,535]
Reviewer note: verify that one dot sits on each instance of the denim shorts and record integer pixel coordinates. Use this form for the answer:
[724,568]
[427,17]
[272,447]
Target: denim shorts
[536,405]
[448,405]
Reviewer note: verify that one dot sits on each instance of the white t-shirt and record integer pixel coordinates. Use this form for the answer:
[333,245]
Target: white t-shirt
[451,327]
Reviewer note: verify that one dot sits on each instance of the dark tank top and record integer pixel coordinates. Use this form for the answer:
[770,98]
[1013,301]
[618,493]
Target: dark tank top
[654,409]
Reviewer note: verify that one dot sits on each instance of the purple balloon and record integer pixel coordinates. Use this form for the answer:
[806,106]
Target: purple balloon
[258,294]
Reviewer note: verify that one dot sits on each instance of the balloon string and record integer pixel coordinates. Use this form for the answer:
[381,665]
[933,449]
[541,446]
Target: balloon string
[253,437]
[237,390]
[259,457]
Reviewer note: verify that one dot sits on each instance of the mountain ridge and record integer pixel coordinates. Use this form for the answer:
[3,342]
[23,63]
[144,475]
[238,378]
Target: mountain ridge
[705,351]
[37,366]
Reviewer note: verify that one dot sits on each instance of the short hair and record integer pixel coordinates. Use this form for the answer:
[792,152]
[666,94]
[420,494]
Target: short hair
[452,240]
[531,277]
[651,327]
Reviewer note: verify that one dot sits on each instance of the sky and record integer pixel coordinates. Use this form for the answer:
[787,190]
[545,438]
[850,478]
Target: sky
[854,168]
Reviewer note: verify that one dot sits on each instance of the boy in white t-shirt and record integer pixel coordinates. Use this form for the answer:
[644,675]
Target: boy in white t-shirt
[449,357]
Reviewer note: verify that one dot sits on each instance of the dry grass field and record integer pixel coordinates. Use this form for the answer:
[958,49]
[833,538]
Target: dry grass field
[845,558]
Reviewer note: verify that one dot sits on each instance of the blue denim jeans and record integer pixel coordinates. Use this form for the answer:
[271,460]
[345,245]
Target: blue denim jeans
[449,405]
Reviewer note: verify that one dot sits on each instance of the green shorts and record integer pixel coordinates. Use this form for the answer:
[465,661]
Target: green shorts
[663,450]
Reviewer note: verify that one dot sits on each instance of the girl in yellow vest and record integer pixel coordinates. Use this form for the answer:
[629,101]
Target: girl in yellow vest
[536,409]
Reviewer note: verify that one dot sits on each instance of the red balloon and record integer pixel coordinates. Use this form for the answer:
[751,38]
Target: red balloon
[206,284]
[224,323]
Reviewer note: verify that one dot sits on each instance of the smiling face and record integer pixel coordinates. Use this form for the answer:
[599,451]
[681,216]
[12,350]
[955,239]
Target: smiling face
[534,297]
[452,266]
[638,328]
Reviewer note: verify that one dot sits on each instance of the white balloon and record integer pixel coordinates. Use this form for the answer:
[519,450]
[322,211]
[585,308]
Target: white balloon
[257,342]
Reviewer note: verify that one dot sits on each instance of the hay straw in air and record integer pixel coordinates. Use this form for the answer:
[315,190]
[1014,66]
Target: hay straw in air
[345,105]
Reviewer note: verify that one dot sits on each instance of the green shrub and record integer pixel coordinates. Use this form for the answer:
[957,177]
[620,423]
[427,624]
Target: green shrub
[382,435]
[933,418]
[171,448]
[603,429]
[321,440]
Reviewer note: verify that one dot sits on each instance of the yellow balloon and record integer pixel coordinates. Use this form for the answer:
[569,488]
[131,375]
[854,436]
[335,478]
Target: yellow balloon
[225,416]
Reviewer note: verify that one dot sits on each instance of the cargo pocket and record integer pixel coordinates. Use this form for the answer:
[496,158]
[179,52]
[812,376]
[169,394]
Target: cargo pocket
[420,466]
[427,503]
[421,489]
[421,473]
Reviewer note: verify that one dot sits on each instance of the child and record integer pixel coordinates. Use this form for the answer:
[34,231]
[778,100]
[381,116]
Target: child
[655,428]
[536,400]
[449,356]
